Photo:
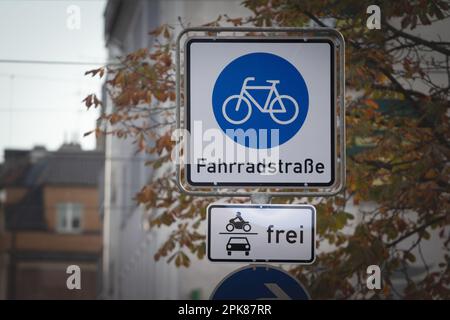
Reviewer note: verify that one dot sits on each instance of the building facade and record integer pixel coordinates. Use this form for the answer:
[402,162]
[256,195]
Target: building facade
[129,270]
[50,216]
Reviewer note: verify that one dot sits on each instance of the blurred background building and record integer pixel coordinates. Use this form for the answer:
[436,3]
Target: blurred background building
[129,270]
[49,220]
[54,204]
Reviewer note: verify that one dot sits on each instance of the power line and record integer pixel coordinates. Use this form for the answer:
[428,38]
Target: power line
[59,0]
[44,110]
[35,77]
[95,157]
[53,62]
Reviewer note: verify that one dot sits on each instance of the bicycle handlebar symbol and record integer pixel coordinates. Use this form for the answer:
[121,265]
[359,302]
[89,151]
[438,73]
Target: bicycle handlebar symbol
[248,99]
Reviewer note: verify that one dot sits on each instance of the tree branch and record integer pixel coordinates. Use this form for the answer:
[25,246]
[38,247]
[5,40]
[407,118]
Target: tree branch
[394,81]
[430,44]
[418,229]
[315,19]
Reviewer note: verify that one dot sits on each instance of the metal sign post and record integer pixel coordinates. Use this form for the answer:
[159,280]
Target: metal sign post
[261,113]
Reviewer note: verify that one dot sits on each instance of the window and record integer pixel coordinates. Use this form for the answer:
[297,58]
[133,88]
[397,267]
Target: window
[69,217]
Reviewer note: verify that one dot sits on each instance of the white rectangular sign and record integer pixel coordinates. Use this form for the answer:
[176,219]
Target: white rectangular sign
[261,233]
[260,112]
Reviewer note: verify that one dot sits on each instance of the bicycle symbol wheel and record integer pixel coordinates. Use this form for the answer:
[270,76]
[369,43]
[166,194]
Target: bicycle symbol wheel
[230,110]
[275,112]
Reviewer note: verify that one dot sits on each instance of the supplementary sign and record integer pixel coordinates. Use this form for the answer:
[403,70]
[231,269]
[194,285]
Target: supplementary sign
[261,233]
[260,112]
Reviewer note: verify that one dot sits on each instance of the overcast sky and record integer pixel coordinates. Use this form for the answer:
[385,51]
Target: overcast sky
[40,104]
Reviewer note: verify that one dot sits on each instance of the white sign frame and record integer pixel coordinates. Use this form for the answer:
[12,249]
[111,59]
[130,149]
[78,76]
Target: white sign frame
[338,132]
[262,211]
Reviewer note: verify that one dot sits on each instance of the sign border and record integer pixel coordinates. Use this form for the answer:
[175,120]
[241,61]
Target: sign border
[286,32]
[192,40]
[260,206]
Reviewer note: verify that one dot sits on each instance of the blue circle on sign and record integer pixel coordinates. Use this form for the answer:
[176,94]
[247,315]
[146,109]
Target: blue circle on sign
[259,282]
[260,100]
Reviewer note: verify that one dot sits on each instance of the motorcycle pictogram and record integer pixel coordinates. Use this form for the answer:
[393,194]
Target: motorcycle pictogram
[238,223]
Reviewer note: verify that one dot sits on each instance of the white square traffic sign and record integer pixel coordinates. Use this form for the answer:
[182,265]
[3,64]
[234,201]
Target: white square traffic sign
[261,233]
[260,112]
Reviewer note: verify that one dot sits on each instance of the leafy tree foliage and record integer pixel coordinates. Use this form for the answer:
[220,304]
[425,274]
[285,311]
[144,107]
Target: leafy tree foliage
[397,118]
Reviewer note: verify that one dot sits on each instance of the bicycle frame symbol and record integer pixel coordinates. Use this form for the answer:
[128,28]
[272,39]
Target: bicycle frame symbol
[247,98]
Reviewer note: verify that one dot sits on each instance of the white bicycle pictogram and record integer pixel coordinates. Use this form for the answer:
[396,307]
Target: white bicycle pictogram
[245,96]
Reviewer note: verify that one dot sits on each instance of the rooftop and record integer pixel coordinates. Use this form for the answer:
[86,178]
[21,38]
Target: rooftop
[36,168]
[70,165]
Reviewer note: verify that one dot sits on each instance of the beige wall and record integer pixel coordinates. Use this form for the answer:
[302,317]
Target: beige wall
[15,194]
[46,280]
[52,241]
[87,196]
[42,279]
[42,241]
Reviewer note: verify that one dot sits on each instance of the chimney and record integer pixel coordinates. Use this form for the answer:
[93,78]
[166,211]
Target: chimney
[37,153]
[70,147]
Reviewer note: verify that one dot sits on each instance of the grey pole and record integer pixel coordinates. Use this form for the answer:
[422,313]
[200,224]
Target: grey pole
[261,198]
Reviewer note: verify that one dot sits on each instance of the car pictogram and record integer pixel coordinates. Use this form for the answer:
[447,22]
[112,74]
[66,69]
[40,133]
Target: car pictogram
[238,244]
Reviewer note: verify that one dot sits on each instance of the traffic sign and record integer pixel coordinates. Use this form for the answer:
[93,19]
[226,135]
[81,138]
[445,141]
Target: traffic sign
[260,112]
[261,233]
[263,282]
